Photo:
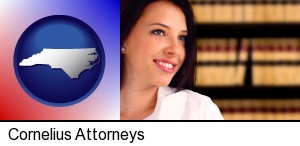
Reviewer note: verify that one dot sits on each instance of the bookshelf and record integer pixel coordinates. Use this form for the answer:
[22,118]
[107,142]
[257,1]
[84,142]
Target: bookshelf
[249,30]
[245,47]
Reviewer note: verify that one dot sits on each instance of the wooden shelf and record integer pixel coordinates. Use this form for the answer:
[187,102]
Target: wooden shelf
[247,30]
[246,92]
[244,1]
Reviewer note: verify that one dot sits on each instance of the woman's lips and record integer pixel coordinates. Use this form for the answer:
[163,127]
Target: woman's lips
[165,65]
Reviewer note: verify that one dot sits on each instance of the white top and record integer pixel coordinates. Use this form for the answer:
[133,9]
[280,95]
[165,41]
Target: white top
[183,105]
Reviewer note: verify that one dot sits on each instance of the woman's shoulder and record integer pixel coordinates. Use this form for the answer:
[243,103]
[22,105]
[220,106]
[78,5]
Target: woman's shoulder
[197,100]
[196,96]
[202,106]
[194,105]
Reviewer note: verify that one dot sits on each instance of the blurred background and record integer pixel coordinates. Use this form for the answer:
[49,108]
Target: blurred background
[248,58]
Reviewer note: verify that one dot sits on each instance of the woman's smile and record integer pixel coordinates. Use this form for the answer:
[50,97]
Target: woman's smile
[166,65]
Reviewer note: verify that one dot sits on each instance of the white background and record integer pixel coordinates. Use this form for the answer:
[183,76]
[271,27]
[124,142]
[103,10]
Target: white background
[167,133]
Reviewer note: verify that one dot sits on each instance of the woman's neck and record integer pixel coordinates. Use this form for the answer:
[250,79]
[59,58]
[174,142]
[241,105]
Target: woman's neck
[137,101]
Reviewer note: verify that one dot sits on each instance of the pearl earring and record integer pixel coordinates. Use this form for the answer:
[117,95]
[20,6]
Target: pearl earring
[123,49]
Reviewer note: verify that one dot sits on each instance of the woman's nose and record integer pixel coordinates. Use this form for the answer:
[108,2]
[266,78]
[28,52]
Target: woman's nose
[173,47]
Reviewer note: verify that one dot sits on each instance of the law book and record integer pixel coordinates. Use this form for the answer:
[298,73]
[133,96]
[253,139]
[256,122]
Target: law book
[208,12]
[238,13]
[212,56]
[257,69]
[286,69]
[236,106]
[198,12]
[279,12]
[248,12]
[204,50]
[257,108]
[206,53]
[218,12]
[227,52]
[203,55]
[297,5]
[198,73]
[273,48]
[219,55]
[205,76]
[297,108]
[259,13]
[219,49]
[279,106]
[247,109]
[213,72]
[199,77]
[286,109]
[209,67]
[268,12]
[297,62]
[289,109]
[262,53]
[292,57]
[220,69]
[290,12]
[278,56]
[269,109]
[226,109]
[200,48]
[204,12]
[297,80]
[231,45]
[277,49]
[269,68]
[228,12]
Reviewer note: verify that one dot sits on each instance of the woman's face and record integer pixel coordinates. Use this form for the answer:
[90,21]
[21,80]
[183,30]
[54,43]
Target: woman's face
[155,48]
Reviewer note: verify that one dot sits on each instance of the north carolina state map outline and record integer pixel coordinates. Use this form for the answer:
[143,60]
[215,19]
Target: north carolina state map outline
[72,61]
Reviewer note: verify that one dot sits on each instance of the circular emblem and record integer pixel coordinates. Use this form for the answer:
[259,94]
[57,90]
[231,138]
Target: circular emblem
[59,60]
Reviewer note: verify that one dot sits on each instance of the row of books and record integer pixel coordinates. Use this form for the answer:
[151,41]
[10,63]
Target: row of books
[263,49]
[273,61]
[228,12]
[259,109]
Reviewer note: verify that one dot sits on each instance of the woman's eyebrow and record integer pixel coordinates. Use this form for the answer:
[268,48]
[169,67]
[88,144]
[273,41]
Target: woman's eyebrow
[185,31]
[165,26]
[160,24]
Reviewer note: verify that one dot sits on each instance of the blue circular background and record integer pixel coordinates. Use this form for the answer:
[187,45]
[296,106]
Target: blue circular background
[53,86]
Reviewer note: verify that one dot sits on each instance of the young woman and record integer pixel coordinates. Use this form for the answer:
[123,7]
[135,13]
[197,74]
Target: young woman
[158,55]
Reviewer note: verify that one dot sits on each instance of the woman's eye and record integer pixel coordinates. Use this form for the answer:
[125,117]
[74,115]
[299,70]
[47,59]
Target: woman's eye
[158,32]
[182,38]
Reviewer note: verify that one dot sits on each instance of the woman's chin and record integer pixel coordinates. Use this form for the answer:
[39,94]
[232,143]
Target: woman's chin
[161,81]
